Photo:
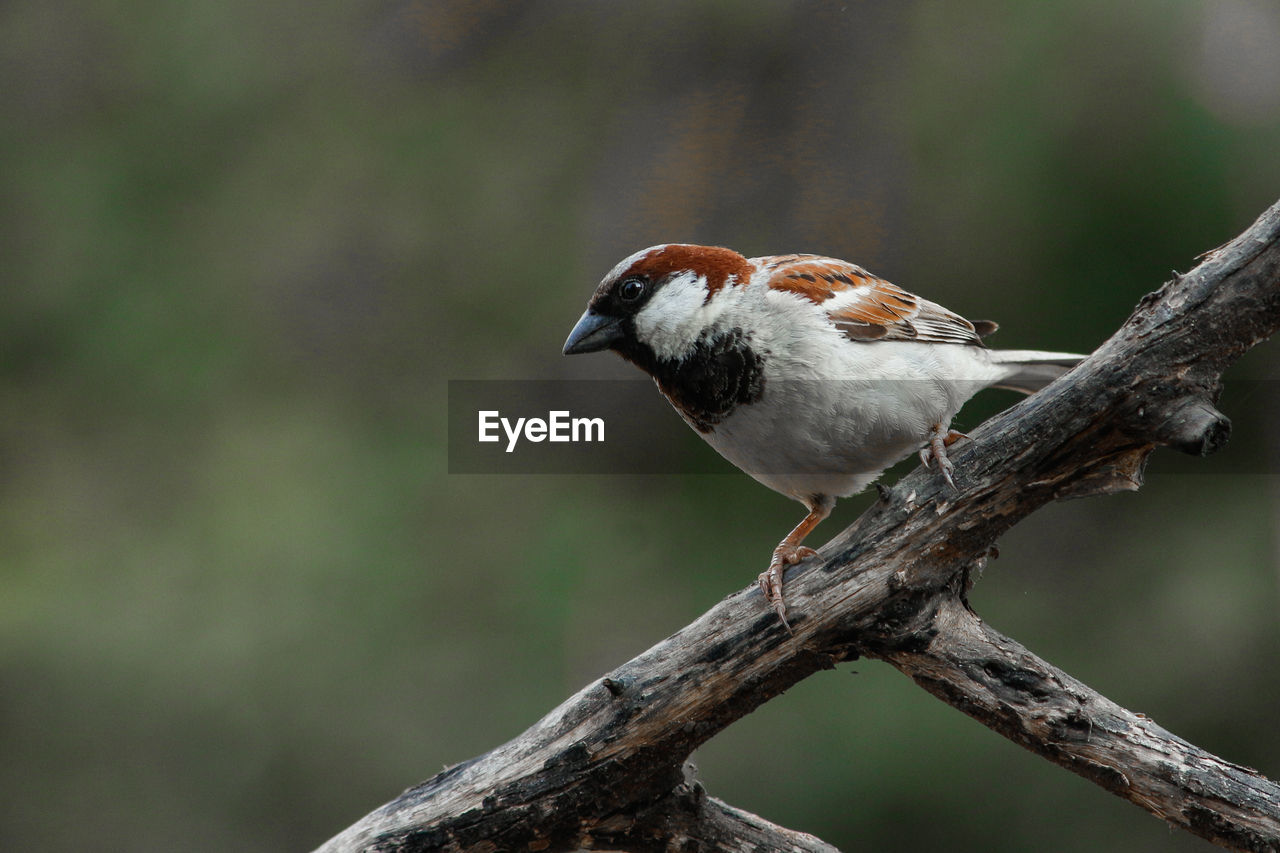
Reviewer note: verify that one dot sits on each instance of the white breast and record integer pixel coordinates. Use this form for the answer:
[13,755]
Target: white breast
[835,413]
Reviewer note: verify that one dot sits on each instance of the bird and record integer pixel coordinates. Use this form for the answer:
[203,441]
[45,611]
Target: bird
[807,372]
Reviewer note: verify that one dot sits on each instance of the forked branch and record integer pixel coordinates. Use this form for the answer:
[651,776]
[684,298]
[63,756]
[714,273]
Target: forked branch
[604,769]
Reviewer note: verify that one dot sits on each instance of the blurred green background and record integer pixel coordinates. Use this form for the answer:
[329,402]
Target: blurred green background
[242,600]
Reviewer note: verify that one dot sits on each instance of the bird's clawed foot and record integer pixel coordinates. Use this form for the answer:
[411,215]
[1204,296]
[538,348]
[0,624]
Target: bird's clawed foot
[940,439]
[770,579]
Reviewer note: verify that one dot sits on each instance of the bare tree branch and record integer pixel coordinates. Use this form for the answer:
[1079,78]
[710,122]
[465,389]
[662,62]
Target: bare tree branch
[690,820]
[604,768]
[1008,689]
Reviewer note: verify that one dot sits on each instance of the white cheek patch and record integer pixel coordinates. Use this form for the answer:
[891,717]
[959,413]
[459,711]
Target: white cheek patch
[675,316]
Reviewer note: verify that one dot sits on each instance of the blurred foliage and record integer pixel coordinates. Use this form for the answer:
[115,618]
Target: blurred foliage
[242,600]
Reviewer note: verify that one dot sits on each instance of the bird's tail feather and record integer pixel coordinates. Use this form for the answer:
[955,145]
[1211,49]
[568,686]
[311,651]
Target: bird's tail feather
[1031,370]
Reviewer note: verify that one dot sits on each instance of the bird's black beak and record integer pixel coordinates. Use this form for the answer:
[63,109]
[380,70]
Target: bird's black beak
[593,332]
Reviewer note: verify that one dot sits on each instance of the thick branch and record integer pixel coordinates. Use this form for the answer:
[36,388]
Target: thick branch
[1008,689]
[891,586]
[690,820]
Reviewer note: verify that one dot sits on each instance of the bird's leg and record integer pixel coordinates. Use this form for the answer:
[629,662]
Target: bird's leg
[790,551]
[940,439]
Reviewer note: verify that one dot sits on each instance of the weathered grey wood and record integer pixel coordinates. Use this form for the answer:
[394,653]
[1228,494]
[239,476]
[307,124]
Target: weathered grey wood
[604,768]
[690,820]
[1005,687]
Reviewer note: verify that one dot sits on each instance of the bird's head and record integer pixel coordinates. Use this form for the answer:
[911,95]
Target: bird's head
[657,303]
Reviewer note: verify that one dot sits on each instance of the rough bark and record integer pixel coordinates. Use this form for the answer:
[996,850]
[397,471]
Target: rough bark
[604,769]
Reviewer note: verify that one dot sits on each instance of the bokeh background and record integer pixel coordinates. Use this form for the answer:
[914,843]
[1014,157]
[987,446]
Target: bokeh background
[245,247]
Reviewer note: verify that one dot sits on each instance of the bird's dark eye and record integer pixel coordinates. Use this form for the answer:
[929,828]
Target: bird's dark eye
[631,289]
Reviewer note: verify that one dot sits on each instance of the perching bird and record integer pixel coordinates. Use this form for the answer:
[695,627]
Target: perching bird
[809,373]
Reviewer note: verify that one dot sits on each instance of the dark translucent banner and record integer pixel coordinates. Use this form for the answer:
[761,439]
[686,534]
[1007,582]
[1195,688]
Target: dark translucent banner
[570,427]
[627,427]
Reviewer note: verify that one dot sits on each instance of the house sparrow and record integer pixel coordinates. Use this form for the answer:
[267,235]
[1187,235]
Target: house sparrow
[809,373]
